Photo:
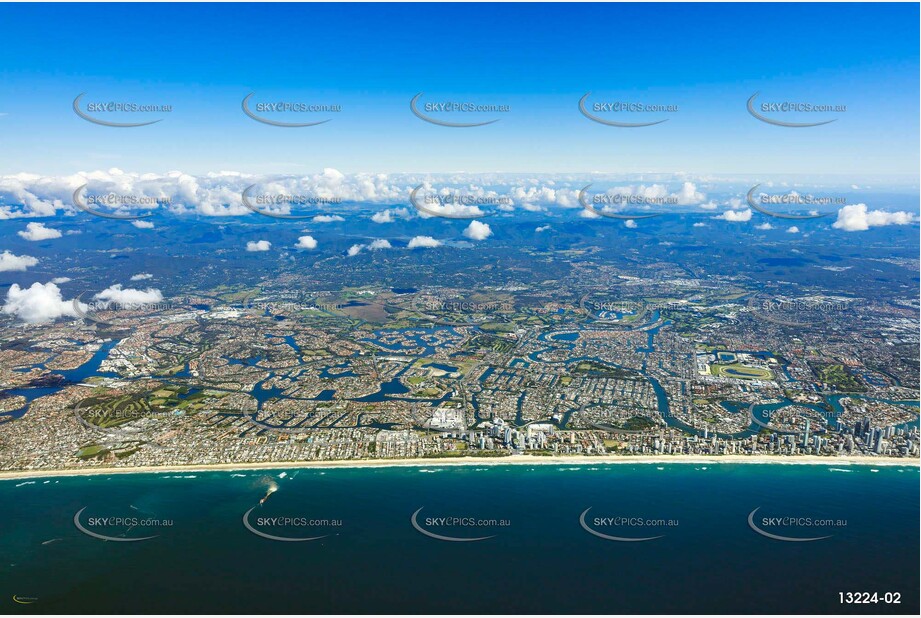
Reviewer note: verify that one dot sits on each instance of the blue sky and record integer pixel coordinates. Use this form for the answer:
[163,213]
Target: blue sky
[538,59]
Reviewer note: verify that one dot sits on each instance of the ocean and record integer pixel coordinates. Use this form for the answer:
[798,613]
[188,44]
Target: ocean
[404,540]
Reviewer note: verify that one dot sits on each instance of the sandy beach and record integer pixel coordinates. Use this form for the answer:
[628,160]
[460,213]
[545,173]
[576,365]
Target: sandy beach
[525,460]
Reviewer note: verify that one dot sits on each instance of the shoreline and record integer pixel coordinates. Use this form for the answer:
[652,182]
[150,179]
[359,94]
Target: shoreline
[511,460]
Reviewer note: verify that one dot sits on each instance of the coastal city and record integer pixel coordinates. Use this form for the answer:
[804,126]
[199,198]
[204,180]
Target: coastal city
[432,309]
[614,364]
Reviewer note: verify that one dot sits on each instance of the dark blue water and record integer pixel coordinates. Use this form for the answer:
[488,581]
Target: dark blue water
[67,376]
[542,562]
[565,336]
[343,371]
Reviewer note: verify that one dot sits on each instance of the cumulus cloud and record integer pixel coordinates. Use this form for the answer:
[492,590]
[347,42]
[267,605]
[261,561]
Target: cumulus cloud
[37,304]
[306,242]
[213,194]
[390,215]
[532,198]
[792,230]
[478,231]
[355,250]
[630,223]
[258,245]
[37,231]
[379,244]
[736,215]
[764,226]
[10,262]
[143,225]
[426,242]
[657,195]
[60,280]
[129,296]
[542,228]
[219,193]
[452,209]
[689,194]
[858,218]
[141,277]
[327,219]
[700,224]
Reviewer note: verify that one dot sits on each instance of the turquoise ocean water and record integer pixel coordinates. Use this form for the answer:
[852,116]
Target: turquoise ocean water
[535,555]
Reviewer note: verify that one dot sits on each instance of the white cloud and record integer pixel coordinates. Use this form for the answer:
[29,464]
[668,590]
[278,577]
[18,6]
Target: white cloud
[129,296]
[700,224]
[764,226]
[588,214]
[37,231]
[379,244]
[542,228]
[10,262]
[630,223]
[36,304]
[390,215]
[690,195]
[857,218]
[736,215]
[531,198]
[60,280]
[478,231]
[219,193]
[306,242]
[141,277]
[143,225]
[451,209]
[423,242]
[792,230]
[327,219]
[355,250]
[258,245]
